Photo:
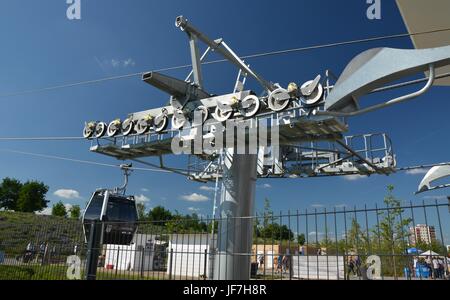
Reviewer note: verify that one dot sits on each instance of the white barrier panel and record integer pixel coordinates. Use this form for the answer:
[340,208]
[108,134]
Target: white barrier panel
[318,267]
[121,257]
[188,260]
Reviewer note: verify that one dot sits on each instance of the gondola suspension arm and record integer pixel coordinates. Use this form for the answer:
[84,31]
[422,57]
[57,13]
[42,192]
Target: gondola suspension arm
[397,100]
[126,172]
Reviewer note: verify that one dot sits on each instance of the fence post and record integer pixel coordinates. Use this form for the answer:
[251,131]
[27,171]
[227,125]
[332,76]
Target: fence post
[117,260]
[93,250]
[204,267]
[142,261]
[290,266]
[170,265]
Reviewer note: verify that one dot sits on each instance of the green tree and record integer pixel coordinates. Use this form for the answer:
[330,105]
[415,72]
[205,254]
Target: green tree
[301,239]
[75,212]
[59,210]
[9,193]
[32,197]
[268,213]
[160,215]
[186,224]
[356,238]
[140,207]
[215,224]
[392,233]
[277,232]
[435,246]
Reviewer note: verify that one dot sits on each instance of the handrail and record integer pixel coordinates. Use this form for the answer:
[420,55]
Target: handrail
[385,104]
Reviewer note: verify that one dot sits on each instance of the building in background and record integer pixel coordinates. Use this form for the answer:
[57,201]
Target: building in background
[423,233]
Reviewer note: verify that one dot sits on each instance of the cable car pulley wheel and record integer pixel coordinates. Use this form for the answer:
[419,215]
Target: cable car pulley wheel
[178,119]
[100,129]
[114,128]
[127,126]
[89,129]
[161,122]
[315,96]
[278,99]
[249,106]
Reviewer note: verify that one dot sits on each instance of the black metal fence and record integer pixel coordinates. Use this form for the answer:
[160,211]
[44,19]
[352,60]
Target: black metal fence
[395,241]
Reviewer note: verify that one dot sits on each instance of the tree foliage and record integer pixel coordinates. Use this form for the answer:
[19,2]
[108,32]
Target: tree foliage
[140,207]
[75,212]
[9,193]
[159,214]
[59,210]
[392,232]
[32,197]
[301,239]
[270,229]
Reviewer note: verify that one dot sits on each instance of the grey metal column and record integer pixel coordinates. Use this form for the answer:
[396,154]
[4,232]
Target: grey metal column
[235,232]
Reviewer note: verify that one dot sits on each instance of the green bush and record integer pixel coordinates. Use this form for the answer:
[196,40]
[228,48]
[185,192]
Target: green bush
[16,273]
[33,273]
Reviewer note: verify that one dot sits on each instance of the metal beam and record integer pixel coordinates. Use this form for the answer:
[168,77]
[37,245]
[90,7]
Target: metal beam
[220,47]
[196,61]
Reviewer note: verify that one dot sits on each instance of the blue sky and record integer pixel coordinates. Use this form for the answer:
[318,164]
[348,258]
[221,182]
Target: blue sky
[41,47]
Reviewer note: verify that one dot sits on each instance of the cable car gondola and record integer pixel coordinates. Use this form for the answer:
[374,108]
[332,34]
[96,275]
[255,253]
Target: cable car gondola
[116,213]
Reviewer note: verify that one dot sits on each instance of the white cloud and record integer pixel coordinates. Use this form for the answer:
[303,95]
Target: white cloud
[314,233]
[317,205]
[417,171]
[265,186]
[141,198]
[193,209]
[354,177]
[341,206]
[145,190]
[129,62]
[67,194]
[68,206]
[194,197]
[115,63]
[46,211]
[440,197]
[207,188]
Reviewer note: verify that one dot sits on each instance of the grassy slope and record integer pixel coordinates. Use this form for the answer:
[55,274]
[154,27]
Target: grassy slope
[18,229]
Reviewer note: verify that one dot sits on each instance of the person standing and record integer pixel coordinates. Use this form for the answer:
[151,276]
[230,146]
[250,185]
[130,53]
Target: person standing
[414,270]
[435,264]
[260,260]
[279,263]
[350,267]
[441,271]
[284,263]
[358,265]
[429,264]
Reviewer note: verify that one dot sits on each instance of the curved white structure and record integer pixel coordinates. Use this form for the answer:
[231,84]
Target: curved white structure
[434,174]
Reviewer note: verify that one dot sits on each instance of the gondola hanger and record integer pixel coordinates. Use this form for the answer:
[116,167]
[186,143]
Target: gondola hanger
[126,172]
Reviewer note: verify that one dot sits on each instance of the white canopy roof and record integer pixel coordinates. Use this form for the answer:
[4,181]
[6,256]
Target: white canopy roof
[429,253]
[423,15]
[434,174]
